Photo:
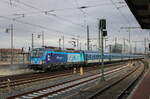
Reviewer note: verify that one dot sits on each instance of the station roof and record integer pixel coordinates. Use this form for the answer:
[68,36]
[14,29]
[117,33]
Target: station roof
[141,11]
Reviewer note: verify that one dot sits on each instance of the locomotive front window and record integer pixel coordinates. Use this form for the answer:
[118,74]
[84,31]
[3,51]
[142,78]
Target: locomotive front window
[36,53]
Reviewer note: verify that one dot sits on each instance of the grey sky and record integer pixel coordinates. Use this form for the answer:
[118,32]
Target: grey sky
[64,18]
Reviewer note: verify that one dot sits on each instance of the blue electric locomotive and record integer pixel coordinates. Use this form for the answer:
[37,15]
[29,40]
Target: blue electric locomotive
[42,58]
[45,58]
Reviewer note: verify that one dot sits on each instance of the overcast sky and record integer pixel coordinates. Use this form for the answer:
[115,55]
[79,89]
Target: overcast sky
[63,17]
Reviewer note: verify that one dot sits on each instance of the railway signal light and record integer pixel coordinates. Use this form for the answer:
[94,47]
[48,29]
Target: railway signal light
[102,24]
[104,33]
[102,30]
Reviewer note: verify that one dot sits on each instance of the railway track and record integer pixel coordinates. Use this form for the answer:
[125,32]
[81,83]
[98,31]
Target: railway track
[120,88]
[39,77]
[14,77]
[62,87]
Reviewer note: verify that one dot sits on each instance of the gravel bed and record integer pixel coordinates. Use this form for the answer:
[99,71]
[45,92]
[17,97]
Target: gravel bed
[74,92]
[99,84]
[116,90]
[41,84]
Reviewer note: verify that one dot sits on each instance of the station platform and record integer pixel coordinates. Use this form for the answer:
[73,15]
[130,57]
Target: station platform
[142,91]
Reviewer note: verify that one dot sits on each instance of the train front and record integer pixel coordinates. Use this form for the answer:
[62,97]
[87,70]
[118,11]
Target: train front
[37,59]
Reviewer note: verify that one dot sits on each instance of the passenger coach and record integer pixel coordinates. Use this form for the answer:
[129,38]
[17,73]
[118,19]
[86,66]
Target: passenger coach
[50,59]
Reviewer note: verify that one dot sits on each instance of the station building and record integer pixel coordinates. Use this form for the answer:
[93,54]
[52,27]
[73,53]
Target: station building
[18,55]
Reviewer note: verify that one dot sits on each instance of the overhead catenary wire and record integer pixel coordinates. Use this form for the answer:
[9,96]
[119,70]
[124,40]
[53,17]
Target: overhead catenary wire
[118,9]
[36,25]
[27,5]
[84,13]
[80,7]
[40,11]
[63,9]
[47,13]
[12,4]
[84,8]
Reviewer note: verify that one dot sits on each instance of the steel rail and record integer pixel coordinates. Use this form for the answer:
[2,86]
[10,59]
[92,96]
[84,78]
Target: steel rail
[73,82]
[111,85]
[35,78]
[130,85]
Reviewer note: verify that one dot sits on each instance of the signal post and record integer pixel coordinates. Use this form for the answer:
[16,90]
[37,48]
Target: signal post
[102,34]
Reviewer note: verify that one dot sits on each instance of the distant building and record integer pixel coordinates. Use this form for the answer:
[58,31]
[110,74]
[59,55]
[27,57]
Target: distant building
[18,56]
[118,48]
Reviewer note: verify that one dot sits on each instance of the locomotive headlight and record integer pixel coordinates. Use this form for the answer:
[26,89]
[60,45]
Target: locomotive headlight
[40,62]
[43,61]
[32,62]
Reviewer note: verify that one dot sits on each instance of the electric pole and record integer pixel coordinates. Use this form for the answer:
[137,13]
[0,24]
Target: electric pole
[43,39]
[32,41]
[59,43]
[106,39]
[115,43]
[124,44]
[129,30]
[135,48]
[110,51]
[11,29]
[110,48]
[88,40]
[77,42]
[91,47]
[85,46]
[143,41]
[80,45]
[145,45]
[11,41]
[130,51]
[63,41]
